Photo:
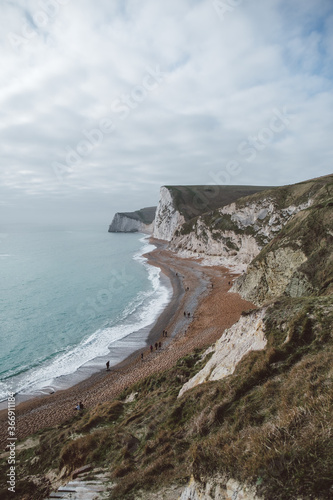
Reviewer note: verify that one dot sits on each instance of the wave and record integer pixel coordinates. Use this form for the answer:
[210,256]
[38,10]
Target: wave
[138,314]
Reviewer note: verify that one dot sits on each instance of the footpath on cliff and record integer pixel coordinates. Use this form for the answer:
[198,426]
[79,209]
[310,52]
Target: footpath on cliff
[200,310]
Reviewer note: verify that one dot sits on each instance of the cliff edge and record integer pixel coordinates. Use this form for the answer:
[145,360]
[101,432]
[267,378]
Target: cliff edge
[180,204]
[141,221]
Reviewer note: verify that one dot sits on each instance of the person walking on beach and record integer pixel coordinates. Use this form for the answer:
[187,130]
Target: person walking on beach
[156,345]
[142,356]
[108,366]
[151,348]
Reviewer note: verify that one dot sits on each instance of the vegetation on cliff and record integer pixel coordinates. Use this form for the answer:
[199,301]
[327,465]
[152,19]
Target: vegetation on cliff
[319,190]
[145,215]
[307,237]
[268,424]
[192,201]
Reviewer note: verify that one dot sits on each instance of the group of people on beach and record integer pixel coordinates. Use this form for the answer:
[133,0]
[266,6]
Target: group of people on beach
[158,345]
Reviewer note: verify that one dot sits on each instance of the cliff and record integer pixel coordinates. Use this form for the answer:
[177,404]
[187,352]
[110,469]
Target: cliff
[141,221]
[168,217]
[284,241]
[234,235]
[298,261]
[179,204]
[248,334]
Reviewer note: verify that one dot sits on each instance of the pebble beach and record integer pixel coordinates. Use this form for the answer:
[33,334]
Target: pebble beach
[199,311]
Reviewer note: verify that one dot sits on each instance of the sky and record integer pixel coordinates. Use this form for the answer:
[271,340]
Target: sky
[104,102]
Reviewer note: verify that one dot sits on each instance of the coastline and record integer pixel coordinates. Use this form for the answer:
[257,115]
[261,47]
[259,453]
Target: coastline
[211,310]
[117,351]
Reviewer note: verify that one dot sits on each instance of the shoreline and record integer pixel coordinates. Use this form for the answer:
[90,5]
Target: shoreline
[207,317]
[117,353]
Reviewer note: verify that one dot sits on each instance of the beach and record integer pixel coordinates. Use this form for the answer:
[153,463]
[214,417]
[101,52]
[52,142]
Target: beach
[196,316]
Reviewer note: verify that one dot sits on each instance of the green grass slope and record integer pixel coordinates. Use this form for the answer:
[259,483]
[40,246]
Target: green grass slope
[192,201]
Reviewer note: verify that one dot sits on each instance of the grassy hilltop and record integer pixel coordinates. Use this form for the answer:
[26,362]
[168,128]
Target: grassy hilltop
[145,215]
[192,201]
[268,424]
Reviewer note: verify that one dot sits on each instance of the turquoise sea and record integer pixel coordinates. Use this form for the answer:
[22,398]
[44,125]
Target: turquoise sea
[66,296]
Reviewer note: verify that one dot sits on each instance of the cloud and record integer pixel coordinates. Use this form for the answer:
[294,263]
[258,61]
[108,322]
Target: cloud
[183,86]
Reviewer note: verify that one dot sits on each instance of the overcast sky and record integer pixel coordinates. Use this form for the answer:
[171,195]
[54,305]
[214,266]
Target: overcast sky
[102,102]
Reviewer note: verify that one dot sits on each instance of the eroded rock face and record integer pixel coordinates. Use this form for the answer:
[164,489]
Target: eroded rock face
[167,218]
[275,275]
[244,336]
[231,250]
[235,235]
[218,488]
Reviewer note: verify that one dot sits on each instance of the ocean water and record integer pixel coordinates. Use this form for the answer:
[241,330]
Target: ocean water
[66,296]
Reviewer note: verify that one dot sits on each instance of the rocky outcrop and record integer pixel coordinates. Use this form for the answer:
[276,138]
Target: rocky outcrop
[275,275]
[141,221]
[214,488]
[297,262]
[218,488]
[234,235]
[244,336]
[179,204]
[168,218]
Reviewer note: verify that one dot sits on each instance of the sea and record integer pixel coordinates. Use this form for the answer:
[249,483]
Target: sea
[69,297]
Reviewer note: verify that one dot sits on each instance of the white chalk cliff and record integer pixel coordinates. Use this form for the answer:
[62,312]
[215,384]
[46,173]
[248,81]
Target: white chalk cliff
[234,235]
[141,221]
[168,219]
[123,224]
[275,275]
[244,336]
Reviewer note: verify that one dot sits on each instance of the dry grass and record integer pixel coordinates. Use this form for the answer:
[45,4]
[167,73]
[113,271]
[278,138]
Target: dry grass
[270,423]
